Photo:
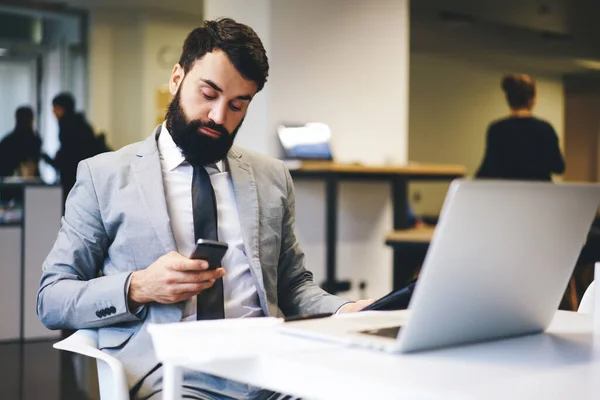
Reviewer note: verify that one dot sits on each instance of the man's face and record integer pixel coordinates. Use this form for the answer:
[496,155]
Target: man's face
[58,111]
[208,108]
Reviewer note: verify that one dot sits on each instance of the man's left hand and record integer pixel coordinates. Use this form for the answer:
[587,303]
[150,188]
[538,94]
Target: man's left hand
[355,306]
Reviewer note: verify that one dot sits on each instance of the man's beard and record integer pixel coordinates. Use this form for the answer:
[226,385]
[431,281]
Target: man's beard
[198,148]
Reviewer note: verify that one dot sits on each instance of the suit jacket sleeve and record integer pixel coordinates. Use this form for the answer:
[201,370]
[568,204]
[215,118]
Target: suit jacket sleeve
[72,295]
[296,291]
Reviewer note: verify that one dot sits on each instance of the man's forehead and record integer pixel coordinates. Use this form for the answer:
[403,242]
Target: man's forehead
[217,68]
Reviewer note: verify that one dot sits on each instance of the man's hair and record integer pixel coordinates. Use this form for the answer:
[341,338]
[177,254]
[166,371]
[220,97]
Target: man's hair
[241,44]
[24,117]
[66,101]
[519,89]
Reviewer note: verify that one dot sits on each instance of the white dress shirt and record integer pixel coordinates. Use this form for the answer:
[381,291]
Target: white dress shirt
[239,286]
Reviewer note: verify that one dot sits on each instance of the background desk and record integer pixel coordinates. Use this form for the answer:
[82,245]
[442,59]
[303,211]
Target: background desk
[561,364]
[398,176]
[410,246]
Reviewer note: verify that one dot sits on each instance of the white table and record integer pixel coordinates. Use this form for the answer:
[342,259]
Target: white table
[563,363]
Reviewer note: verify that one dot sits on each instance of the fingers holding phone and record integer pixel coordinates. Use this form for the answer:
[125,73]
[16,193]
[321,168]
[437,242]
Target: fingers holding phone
[191,282]
[173,278]
[210,253]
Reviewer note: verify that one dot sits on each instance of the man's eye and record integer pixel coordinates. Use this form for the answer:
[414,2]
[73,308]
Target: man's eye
[207,97]
[234,107]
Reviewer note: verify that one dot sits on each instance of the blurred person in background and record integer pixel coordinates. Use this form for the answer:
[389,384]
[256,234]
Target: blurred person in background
[521,146]
[77,141]
[20,149]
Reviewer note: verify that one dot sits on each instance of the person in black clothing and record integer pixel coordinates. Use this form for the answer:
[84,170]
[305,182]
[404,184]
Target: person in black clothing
[521,147]
[77,141]
[22,146]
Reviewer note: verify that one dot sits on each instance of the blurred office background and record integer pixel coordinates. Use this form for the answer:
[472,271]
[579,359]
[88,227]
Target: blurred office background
[396,82]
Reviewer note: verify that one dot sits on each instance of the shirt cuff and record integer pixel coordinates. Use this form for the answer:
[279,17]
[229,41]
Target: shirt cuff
[136,311]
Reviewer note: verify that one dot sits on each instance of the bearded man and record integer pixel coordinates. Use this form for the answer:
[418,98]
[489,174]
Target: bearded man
[133,217]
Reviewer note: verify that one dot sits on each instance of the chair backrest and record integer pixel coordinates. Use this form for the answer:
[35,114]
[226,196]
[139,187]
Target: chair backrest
[111,374]
[587,301]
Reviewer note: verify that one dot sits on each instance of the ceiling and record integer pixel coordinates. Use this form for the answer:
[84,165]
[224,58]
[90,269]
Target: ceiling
[531,14]
[69,11]
[188,7]
[540,36]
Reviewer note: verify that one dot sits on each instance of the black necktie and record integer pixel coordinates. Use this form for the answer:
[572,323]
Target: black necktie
[210,303]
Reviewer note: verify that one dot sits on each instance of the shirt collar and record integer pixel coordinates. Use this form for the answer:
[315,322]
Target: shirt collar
[171,154]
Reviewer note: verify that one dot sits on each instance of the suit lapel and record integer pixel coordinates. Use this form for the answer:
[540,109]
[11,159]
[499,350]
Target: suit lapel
[148,176]
[246,196]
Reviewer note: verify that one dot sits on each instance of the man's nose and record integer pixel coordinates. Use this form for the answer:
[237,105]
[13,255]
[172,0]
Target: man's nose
[218,113]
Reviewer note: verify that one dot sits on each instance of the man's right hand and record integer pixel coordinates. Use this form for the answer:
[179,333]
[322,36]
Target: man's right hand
[171,279]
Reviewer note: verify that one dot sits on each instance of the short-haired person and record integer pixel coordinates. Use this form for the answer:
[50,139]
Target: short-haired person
[76,138]
[521,146]
[21,148]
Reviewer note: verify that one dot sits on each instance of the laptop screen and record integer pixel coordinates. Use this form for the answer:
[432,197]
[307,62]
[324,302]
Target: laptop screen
[306,142]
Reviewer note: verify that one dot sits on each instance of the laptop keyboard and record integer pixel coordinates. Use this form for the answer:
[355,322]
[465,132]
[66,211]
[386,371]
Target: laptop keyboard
[390,332]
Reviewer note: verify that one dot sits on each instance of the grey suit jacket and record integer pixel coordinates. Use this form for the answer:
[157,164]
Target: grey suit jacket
[116,222]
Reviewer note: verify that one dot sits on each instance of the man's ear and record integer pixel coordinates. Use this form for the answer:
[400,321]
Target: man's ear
[176,78]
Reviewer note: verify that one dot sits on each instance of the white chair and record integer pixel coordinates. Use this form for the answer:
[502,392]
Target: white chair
[111,374]
[587,301]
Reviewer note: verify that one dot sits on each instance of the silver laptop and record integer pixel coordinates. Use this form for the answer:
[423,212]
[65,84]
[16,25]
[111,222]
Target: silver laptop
[498,265]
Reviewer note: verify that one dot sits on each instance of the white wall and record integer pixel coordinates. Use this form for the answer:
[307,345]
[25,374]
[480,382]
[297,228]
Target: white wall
[125,71]
[101,39]
[452,102]
[116,45]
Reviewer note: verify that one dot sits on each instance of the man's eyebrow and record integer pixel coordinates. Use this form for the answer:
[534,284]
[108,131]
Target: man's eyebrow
[218,89]
[212,85]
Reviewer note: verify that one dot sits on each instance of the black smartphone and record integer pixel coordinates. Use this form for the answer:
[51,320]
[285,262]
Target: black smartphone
[211,251]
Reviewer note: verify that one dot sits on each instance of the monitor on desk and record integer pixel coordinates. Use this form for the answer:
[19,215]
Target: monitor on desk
[310,141]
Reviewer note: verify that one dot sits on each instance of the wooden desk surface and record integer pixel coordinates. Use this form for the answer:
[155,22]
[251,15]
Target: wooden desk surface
[417,235]
[408,169]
